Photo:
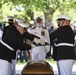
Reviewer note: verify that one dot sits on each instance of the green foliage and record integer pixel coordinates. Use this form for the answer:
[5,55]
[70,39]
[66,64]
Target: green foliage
[47,6]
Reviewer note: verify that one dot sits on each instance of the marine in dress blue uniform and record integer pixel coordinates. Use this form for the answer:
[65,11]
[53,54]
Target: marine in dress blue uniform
[65,45]
[11,41]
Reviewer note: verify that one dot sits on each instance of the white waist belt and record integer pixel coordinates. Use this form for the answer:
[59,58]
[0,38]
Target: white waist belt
[64,44]
[7,45]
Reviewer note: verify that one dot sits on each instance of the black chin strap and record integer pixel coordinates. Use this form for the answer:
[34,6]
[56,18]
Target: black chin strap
[62,23]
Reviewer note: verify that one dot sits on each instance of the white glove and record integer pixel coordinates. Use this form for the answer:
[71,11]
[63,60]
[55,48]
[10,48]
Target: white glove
[39,41]
[36,40]
[42,42]
[32,45]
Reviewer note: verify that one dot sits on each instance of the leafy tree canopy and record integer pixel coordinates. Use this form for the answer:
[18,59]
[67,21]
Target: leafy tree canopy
[27,8]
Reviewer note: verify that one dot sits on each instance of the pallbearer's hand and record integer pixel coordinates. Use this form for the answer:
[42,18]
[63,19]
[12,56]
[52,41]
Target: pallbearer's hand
[33,45]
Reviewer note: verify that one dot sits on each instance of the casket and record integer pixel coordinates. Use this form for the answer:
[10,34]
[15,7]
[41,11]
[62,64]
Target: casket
[37,68]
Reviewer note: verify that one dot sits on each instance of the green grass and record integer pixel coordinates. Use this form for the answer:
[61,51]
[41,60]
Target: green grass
[48,60]
[51,61]
[18,62]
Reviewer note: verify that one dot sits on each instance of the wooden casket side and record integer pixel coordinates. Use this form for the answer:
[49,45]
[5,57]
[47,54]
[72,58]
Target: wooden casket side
[37,68]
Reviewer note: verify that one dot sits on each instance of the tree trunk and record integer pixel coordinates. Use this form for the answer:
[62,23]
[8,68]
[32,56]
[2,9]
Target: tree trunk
[48,20]
[48,16]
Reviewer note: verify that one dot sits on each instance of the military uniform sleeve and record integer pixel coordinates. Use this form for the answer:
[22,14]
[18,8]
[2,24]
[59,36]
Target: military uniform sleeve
[28,36]
[55,34]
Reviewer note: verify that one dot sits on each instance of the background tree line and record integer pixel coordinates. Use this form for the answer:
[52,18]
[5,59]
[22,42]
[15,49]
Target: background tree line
[29,9]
